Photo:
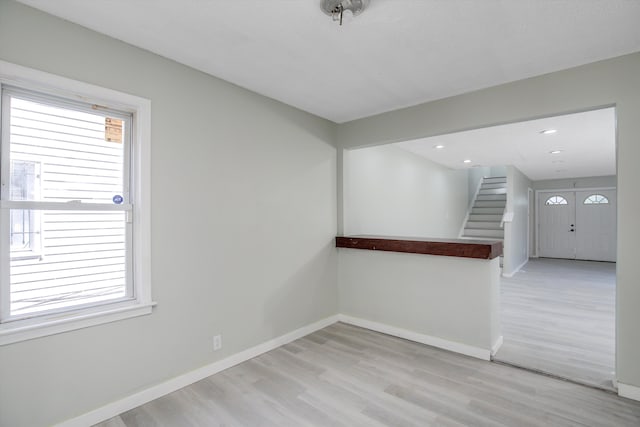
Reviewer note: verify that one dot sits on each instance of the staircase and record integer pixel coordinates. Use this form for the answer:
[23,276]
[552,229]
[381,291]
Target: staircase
[483,221]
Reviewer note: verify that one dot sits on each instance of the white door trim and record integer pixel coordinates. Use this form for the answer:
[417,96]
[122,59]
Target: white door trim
[530,211]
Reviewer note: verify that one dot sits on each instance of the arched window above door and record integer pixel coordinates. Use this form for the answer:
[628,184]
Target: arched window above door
[596,199]
[556,200]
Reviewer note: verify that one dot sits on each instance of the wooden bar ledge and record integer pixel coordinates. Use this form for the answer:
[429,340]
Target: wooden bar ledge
[479,249]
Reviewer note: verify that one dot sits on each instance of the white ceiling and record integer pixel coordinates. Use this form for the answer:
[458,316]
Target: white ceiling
[586,141]
[395,54]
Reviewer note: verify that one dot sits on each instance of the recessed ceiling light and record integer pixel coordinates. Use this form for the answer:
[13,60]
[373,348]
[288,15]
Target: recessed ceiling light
[555,152]
[439,146]
[467,161]
[548,131]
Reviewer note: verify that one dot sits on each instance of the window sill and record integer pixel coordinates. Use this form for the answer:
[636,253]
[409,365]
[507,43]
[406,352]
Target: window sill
[12,333]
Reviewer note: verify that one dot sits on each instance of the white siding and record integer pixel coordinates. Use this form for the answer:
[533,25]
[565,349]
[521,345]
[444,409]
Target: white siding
[76,257]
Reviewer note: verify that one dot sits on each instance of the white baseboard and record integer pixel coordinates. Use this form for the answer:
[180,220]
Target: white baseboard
[169,386]
[496,346]
[468,350]
[629,391]
[512,273]
[125,404]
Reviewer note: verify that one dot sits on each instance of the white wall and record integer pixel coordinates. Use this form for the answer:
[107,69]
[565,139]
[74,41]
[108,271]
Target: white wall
[612,82]
[516,232]
[586,182]
[393,192]
[475,176]
[243,226]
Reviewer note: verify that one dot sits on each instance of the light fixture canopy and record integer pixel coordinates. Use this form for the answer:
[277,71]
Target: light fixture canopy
[336,8]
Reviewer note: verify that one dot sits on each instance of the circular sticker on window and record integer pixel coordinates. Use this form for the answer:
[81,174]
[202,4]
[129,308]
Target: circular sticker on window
[117,199]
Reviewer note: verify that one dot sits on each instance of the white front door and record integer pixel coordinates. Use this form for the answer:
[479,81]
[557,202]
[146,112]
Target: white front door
[596,225]
[578,225]
[557,225]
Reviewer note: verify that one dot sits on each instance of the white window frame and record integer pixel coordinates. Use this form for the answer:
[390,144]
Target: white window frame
[140,108]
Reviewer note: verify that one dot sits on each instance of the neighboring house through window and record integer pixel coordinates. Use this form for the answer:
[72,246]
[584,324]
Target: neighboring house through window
[24,224]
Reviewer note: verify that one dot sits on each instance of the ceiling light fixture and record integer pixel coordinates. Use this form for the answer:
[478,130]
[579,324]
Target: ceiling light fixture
[336,8]
[439,147]
[555,152]
[466,161]
[548,131]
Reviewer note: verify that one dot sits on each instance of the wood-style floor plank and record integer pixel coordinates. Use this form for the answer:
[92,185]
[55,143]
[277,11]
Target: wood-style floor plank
[348,376]
[558,317]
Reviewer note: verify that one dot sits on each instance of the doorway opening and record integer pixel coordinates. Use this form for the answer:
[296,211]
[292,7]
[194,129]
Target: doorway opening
[558,222]
[558,313]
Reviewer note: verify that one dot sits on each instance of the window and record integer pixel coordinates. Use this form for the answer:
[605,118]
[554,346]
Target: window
[596,199]
[556,200]
[73,208]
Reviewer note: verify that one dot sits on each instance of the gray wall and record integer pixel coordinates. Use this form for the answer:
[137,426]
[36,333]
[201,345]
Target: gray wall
[517,231]
[243,225]
[587,182]
[394,192]
[455,299]
[611,82]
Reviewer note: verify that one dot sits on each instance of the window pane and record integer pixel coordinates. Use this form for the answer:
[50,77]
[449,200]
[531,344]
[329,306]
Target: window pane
[24,232]
[556,200]
[24,180]
[82,261]
[80,155]
[596,199]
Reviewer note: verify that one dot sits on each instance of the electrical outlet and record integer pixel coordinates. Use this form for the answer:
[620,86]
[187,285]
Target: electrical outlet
[217,342]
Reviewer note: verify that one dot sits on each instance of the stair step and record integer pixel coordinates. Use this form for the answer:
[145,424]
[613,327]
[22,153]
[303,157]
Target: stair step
[481,238]
[492,225]
[489,185]
[479,232]
[487,211]
[490,204]
[494,190]
[495,179]
[491,197]
[485,217]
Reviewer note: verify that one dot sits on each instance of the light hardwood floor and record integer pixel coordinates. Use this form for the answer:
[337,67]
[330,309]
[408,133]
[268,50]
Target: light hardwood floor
[348,376]
[558,316]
